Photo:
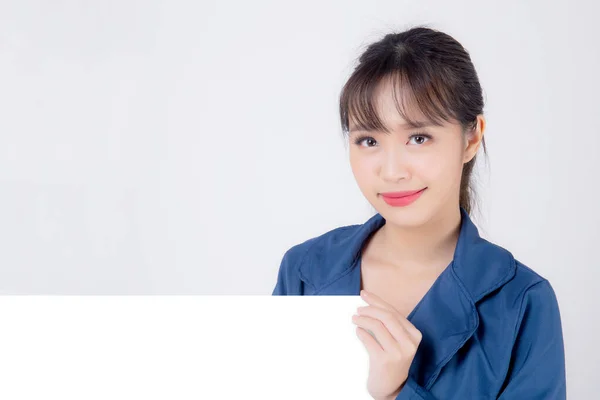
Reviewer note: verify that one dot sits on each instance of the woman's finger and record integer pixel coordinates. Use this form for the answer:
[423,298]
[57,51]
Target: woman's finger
[390,320]
[377,301]
[383,336]
[373,347]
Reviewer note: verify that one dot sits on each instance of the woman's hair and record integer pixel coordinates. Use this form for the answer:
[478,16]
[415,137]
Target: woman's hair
[430,70]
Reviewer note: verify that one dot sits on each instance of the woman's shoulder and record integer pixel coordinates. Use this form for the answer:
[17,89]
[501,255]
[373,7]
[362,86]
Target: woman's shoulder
[319,259]
[520,281]
[525,278]
[302,264]
[528,302]
[324,240]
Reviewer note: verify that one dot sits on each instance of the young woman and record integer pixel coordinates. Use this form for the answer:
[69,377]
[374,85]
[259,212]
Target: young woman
[450,315]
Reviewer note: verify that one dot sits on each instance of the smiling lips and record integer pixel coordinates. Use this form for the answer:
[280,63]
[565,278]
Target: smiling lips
[401,199]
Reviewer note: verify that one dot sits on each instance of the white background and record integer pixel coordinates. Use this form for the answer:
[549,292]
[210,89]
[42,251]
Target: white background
[163,147]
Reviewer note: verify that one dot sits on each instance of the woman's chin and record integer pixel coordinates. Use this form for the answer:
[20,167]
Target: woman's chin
[411,216]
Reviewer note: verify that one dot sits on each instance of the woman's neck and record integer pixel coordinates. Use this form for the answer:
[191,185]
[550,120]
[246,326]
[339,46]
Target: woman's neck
[426,249]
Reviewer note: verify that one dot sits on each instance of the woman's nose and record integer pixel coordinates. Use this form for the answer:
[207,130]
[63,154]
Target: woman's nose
[395,166]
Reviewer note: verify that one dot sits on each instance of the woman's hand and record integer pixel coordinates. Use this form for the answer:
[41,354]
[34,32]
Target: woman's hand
[392,352]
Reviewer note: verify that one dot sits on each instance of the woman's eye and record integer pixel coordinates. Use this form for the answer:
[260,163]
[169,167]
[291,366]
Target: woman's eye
[369,140]
[419,139]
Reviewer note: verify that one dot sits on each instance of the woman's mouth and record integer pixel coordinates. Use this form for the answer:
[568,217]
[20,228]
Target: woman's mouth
[401,199]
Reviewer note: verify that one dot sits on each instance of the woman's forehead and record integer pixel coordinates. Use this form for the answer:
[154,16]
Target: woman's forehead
[392,120]
[397,124]
[393,108]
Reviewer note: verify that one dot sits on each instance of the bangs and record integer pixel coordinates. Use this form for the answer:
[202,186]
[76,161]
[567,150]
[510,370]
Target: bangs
[420,97]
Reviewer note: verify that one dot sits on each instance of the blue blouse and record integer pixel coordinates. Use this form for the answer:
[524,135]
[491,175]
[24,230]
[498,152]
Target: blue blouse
[491,326]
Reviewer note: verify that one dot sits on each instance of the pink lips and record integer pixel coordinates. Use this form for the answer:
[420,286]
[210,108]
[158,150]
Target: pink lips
[401,199]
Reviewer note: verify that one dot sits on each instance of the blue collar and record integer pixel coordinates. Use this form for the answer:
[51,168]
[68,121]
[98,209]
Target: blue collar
[446,316]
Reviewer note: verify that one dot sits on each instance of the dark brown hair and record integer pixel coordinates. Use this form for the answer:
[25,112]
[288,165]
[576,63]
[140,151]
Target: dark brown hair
[431,72]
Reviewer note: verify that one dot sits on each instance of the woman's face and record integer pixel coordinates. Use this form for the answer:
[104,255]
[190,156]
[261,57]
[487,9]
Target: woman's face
[408,159]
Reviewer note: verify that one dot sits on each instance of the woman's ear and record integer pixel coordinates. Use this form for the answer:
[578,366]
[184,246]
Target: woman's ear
[473,139]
